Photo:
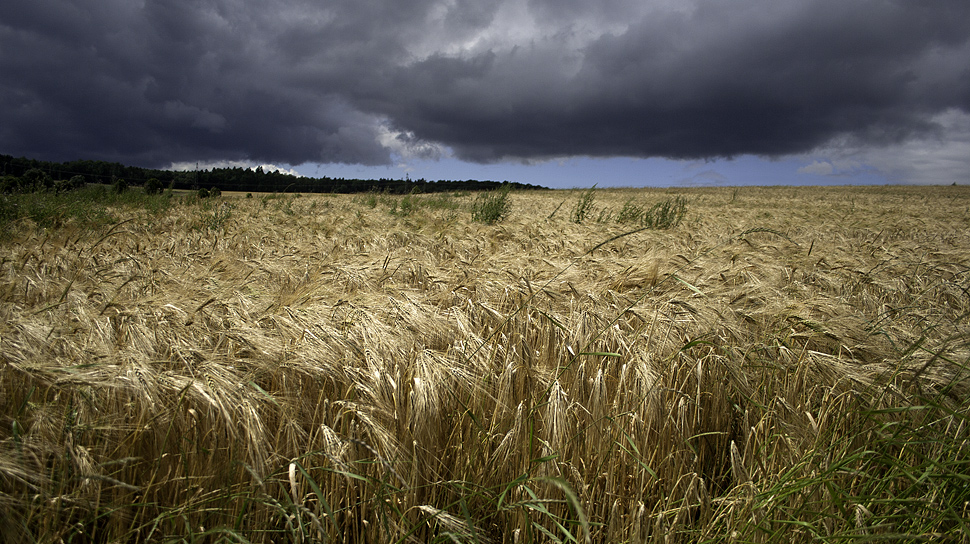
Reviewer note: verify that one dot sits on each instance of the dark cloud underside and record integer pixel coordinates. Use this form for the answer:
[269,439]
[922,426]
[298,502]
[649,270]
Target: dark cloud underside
[287,81]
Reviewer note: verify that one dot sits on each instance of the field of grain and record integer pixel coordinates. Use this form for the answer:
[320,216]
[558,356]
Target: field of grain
[785,365]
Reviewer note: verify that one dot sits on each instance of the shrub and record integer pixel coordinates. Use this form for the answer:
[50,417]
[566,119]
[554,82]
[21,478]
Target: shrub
[35,179]
[120,186]
[492,207]
[214,192]
[203,192]
[73,184]
[153,187]
[9,184]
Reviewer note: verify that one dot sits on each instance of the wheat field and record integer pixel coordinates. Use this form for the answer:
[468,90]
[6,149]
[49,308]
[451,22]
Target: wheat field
[785,365]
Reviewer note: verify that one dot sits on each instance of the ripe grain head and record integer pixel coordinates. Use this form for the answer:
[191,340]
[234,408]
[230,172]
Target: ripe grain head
[718,380]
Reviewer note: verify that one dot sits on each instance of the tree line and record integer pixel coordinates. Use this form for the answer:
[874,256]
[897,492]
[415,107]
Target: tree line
[21,174]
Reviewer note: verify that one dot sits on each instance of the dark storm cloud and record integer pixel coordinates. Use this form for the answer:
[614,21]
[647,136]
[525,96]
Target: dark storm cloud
[171,81]
[354,81]
[729,78]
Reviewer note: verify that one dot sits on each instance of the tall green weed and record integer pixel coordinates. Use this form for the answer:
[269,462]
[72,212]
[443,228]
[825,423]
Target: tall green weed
[492,207]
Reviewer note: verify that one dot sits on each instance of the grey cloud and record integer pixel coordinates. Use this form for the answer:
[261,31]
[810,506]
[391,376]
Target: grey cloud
[570,14]
[195,117]
[294,81]
[180,81]
[730,78]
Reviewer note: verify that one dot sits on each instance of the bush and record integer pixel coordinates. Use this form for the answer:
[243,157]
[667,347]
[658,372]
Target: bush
[203,192]
[36,179]
[10,184]
[153,187]
[66,185]
[492,207]
[120,186]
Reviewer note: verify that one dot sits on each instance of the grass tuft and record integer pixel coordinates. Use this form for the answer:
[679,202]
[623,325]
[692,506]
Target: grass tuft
[492,207]
[584,205]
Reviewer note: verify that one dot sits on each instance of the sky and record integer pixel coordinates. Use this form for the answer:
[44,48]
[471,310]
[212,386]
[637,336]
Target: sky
[560,93]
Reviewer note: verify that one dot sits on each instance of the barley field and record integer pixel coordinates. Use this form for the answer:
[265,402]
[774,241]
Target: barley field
[782,365]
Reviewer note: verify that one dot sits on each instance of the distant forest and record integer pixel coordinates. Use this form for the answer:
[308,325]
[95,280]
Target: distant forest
[29,174]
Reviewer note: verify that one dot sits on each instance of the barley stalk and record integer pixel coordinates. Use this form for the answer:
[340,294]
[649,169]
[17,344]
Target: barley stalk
[775,367]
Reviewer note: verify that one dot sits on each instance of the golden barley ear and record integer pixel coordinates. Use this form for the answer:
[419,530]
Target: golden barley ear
[331,368]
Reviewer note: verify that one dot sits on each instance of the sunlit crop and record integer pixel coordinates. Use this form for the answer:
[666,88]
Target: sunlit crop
[780,365]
